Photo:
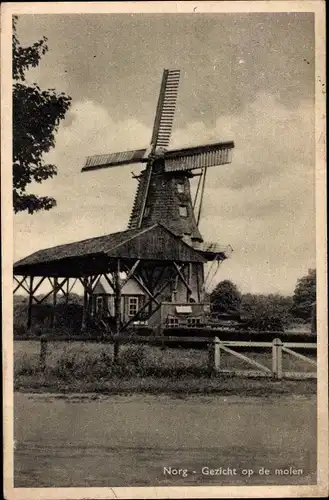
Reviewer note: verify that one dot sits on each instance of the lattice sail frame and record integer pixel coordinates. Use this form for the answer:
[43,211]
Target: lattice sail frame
[209,155]
[166,107]
[203,156]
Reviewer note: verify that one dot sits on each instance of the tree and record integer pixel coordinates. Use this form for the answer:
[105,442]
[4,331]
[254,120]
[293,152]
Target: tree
[225,298]
[36,117]
[266,312]
[305,295]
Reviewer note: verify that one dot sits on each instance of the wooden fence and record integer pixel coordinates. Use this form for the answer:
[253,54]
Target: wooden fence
[215,349]
[277,346]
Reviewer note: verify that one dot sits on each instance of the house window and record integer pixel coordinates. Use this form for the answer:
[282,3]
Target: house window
[172,322]
[110,304]
[99,304]
[180,188]
[193,322]
[182,210]
[132,306]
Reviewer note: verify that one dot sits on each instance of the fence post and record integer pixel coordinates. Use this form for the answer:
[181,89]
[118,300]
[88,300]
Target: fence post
[214,355]
[43,352]
[277,359]
[116,351]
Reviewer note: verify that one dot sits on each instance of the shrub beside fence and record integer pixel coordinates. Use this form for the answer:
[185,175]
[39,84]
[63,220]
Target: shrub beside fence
[216,348]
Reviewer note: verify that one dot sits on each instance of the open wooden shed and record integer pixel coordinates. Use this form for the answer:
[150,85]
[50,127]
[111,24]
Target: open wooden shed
[154,257]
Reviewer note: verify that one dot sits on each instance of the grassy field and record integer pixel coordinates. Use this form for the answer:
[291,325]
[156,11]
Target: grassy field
[82,367]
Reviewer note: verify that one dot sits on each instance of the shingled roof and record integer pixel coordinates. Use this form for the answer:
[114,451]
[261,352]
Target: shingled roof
[156,243]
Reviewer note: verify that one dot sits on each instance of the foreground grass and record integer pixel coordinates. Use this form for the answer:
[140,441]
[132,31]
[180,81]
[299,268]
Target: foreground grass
[80,367]
[184,386]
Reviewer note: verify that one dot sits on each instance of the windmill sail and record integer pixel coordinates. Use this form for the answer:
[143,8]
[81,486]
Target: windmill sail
[209,155]
[164,116]
[96,162]
[163,122]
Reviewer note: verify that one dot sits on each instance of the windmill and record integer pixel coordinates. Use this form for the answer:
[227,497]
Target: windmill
[163,193]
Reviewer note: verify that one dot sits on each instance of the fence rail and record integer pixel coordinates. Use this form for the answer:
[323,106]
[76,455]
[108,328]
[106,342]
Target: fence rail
[215,349]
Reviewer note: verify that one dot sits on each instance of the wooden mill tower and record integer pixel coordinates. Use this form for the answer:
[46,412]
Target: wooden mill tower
[163,193]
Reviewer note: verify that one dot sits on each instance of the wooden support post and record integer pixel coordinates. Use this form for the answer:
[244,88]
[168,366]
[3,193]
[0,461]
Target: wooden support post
[201,287]
[67,291]
[274,358]
[29,308]
[53,315]
[117,308]
[277,359]
[189,280]
[196,270]
[85,305]
[43,352]
[160,328]
[150,287]
[214,355]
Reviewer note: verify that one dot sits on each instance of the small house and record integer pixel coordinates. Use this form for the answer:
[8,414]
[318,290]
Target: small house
[132,298]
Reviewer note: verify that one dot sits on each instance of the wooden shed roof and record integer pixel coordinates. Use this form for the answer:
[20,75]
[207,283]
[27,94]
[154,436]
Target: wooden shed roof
[98,255]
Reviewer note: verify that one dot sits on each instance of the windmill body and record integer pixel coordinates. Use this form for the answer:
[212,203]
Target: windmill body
[163,193]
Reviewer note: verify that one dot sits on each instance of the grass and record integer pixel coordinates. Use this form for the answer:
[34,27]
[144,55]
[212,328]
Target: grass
[89,367]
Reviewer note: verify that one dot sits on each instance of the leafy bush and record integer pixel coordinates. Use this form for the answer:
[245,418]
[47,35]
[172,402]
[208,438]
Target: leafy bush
[225,298]
[266,312]
[305,296]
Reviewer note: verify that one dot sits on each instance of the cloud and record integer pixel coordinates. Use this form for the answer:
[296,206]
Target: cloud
[262,204]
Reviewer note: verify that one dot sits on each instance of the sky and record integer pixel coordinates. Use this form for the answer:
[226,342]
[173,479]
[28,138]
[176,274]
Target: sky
[244,77]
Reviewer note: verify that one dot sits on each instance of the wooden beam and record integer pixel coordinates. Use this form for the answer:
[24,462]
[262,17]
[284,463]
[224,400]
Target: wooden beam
[84,282]
[189,279]
[198,283]
[110,282]
[95,283]
[53,314]
[201,195]
[299,356]
[94,280]
[197,189]
[146,290]
[130,273]
[72,286]
[117,298]
[67,292]
[20,284]
[245,358]
[180,274]
[29,308]
[38,285]
[58,287]
[117,309]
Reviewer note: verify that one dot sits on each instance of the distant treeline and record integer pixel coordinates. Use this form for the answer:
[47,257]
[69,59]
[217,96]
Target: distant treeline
[267,312]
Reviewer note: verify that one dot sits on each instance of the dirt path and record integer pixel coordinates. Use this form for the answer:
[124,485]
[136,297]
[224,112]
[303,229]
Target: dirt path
[129,440]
